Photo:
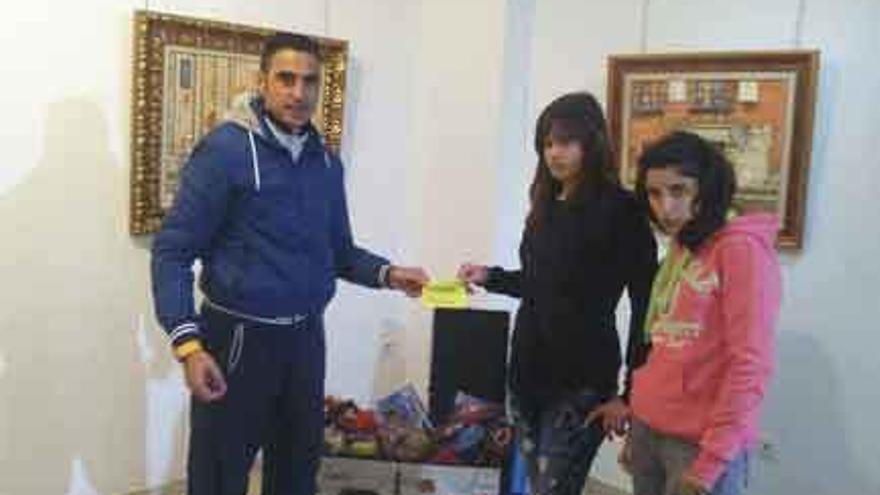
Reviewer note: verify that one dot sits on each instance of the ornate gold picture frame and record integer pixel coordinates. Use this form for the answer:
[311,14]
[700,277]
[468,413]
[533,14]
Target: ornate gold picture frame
[757,106]
[186,72]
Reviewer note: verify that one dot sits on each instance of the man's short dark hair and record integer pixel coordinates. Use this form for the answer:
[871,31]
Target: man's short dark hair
[288,41]
[694,157]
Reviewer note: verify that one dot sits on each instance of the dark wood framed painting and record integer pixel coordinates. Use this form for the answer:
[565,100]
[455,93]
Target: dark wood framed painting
[756,106]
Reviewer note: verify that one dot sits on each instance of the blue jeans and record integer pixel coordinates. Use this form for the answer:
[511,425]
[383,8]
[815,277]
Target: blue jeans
[274,402]
[658,462]
[557,446]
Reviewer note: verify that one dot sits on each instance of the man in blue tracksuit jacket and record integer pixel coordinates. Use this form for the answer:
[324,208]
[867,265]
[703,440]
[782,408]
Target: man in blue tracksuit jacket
[262,205]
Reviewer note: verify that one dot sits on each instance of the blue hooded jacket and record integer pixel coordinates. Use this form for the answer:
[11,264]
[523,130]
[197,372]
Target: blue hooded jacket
[272,234]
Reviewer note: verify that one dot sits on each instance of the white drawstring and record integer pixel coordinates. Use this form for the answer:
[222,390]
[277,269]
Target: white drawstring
[236,348]
[326,153]
[254,161]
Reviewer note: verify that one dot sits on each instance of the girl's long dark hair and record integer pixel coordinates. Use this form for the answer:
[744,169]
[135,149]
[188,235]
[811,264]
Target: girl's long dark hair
[694,157]
[574,116]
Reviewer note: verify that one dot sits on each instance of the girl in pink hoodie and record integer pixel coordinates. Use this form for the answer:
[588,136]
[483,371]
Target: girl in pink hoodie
[714,302]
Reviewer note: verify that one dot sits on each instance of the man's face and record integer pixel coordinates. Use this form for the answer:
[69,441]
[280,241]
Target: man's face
[290,87]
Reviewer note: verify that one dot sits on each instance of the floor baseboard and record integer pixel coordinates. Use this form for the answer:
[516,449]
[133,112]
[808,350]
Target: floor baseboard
[594,487]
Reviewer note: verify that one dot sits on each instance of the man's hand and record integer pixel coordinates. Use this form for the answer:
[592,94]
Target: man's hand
[410,280]
[614,415]
[688,485]
[203,377]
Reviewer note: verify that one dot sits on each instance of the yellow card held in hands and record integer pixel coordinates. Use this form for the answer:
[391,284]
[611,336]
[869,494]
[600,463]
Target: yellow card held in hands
[446,294]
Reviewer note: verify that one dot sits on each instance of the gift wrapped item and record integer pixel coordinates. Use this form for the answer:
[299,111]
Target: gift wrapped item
[405,433]
[401,441]
[473,410]
[477,433]
[405,406]
[349,430]
[497,444]
[334,440]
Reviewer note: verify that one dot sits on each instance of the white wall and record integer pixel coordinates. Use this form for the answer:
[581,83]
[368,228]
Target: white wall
[75,326]
[455,105]
[367,329]
[820,410]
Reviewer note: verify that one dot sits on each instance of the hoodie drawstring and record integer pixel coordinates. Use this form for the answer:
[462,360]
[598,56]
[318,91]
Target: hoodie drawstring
[254,161]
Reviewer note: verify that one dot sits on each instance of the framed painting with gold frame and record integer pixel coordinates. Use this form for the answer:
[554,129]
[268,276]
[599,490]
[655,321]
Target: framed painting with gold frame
[186,73]
[757,106]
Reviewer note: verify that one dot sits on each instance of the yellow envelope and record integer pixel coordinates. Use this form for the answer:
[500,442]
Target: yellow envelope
[445,294]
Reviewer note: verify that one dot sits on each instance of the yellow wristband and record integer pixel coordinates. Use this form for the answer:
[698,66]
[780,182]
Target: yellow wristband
[187,348]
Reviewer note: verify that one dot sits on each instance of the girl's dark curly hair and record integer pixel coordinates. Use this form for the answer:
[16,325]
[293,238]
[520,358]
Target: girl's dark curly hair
[694,157]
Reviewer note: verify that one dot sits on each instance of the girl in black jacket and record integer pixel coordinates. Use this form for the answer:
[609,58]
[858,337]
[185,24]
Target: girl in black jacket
[585,240]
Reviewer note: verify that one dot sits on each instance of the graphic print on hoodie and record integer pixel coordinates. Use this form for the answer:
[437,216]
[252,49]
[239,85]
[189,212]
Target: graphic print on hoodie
[712,347]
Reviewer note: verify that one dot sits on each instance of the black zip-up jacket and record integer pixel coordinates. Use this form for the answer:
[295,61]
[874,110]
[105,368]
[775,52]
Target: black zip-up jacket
[575,266]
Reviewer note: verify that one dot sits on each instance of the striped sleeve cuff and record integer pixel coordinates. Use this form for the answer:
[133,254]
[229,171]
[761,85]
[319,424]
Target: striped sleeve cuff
[384,271]
[185,331]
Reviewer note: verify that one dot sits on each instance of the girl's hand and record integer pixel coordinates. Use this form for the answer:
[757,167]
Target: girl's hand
[614,415]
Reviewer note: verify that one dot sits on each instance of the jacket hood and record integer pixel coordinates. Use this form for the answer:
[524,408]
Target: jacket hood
[761,226]
[245,110]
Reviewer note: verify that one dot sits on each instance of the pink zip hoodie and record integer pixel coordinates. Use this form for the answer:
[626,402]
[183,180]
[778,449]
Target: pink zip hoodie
[712,349]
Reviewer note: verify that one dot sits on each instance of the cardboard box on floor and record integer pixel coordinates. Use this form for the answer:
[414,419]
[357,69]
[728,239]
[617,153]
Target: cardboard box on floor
[427,479]
[345,476]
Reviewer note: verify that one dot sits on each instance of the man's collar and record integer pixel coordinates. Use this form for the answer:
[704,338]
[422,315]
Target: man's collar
[281,134]
[258,104]
[280,129]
